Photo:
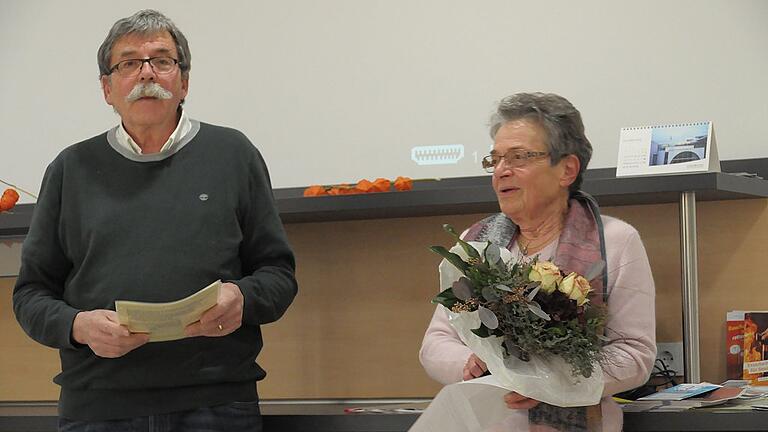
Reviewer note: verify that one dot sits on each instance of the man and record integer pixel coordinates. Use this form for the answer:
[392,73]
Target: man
[154,210]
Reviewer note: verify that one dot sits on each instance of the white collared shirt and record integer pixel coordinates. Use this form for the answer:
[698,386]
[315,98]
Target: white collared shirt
[125,140]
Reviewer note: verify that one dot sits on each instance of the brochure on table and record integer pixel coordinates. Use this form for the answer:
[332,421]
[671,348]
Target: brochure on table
[667,149]
[682,391]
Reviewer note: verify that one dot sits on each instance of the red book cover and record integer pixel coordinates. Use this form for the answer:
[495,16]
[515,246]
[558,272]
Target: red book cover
[755,348]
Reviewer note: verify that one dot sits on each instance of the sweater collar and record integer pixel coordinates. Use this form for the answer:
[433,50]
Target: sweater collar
[122,143]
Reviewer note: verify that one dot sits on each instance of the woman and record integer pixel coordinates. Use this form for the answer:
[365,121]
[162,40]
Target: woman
[539,155]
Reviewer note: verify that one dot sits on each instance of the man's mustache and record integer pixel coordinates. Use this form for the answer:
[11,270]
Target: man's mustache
[151,89]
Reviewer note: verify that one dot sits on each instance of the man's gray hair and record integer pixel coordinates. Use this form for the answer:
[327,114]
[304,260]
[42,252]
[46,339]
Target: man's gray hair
[144,22]
[560,120]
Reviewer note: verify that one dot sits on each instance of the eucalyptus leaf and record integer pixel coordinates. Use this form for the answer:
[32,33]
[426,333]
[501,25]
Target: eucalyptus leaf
[482,266]
[533,293]
[451,258]
[595,270]
[450,230]
[501,265]
[503,287]
[490,294]
[532,285]
[468,249]
[446,298]
[536,310]
[487,317]
[493,257]
[462,289]
[492,253]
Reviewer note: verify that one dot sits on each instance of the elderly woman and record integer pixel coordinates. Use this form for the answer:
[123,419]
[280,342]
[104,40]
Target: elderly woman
[539,156]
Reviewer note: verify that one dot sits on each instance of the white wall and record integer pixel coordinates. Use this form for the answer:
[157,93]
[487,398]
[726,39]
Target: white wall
[338,90]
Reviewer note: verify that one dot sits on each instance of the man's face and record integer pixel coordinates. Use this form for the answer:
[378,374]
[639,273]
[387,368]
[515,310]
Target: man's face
[146,111]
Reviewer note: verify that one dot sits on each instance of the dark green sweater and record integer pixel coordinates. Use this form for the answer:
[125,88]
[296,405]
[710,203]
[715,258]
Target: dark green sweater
[154,229]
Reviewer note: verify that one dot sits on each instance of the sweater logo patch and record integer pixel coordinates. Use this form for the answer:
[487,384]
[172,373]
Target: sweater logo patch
[203,197]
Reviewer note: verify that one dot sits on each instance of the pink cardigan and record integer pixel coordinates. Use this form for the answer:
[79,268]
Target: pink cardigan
[631,312]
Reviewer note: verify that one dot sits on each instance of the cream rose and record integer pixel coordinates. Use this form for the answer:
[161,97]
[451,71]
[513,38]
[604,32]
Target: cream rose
[576,288]
[546,273]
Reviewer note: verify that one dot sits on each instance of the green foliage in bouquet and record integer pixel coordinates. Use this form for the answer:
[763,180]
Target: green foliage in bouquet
[531,304]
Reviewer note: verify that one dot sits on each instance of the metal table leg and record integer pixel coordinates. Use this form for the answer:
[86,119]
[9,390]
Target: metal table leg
[690,286]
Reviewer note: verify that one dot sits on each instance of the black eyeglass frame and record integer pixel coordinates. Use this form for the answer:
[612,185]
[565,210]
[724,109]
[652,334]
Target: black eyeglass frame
[513,158]
[116,67]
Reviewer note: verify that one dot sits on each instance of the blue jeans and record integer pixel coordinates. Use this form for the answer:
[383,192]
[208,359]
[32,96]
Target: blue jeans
[231,417]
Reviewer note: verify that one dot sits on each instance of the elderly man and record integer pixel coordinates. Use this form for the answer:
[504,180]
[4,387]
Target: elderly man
[153,210]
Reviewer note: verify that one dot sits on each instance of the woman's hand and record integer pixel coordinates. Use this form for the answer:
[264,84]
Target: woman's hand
[474,368]
[518,401]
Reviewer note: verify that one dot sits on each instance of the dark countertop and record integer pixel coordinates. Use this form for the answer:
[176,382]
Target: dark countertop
[278,416]
[331,417]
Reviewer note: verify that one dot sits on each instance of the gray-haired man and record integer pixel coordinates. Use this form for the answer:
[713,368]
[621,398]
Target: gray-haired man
[153,210]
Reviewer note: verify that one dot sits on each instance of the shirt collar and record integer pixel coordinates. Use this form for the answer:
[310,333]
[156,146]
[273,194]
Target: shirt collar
[125,140]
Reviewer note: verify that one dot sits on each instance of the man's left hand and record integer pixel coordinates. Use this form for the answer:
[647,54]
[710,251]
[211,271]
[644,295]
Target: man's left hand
[518,401]
[222,319]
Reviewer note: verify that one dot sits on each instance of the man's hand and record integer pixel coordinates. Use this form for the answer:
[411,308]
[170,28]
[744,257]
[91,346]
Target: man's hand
[100,330]
[474,368]
[222,319]
[518,401]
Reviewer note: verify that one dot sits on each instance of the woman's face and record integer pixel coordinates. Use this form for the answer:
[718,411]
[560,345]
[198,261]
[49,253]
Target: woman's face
[536,187]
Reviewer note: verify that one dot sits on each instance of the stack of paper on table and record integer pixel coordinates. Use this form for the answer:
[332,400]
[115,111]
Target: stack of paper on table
[685,396]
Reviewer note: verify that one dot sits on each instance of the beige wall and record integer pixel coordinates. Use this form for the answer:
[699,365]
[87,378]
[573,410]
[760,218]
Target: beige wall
[355,328]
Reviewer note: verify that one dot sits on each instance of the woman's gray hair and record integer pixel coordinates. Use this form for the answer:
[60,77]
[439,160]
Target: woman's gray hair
[560,120]
[144,22]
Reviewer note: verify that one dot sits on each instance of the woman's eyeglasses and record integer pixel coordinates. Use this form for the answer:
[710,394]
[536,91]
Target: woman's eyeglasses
[513,159]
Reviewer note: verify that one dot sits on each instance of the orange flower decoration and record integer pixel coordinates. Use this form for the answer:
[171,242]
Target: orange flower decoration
[335,191]
[381,185]
[362,187]
[8,200]
[403,183]
[343,189]
[315,190]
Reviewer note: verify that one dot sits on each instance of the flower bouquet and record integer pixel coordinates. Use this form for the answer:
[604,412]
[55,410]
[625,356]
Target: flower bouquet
[532,325]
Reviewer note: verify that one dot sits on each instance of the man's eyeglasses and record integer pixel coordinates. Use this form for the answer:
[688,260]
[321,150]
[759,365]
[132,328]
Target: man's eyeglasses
[129,67]
[513,159]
